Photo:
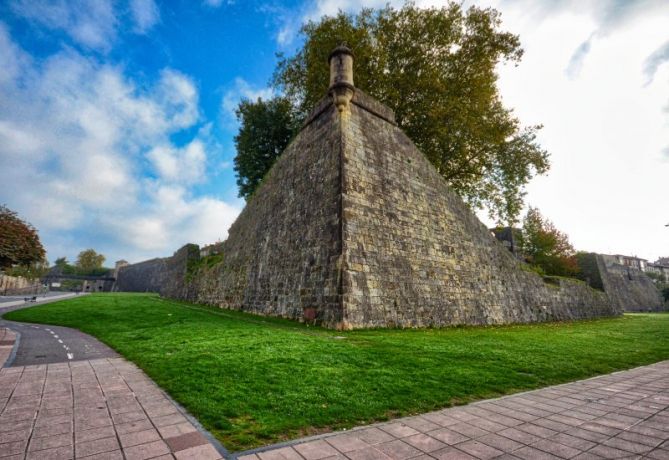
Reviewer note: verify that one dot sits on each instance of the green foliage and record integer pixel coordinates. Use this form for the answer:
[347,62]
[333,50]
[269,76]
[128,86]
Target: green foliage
[252,380]
[31,271]
[436,68]
[665,293]
[266,128]
[656,277]
[545,247]
[19,242]
[90,262]
[194,266]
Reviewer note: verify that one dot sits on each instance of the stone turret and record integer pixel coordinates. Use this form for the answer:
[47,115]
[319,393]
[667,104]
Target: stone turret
[341,77]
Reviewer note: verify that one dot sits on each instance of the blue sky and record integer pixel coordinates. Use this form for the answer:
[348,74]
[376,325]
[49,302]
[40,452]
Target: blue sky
[117,124]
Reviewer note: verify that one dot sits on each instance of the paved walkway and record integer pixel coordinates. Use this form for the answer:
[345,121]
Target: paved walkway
[11,301]
[95,409]
[621,415]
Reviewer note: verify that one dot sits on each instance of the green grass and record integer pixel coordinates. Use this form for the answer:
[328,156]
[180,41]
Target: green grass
[253,380]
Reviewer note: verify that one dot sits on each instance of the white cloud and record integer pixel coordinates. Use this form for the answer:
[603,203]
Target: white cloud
[217,3]
[172,219]
[184,165]
[91,24]
[145,14]
[242,90]
[79,139]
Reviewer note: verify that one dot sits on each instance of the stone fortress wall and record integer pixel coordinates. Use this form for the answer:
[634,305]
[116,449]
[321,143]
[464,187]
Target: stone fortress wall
[353,228]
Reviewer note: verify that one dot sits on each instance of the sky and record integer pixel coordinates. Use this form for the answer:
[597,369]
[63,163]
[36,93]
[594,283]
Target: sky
[117,116]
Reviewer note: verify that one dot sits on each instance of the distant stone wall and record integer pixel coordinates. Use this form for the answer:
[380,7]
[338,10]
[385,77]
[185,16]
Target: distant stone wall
[166,276]
[147,276]
[629,288]
[18,285]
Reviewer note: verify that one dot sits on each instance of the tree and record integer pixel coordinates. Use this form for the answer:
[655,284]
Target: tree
[436,68]
[19,242]
[89,261]
[266,129]
[545,247]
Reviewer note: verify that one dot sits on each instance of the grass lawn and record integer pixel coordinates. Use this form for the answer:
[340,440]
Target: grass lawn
[253,380]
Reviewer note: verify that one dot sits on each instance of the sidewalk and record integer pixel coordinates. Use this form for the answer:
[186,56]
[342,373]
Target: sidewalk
[97,409]
[620,415]
[40,299]
[7,339]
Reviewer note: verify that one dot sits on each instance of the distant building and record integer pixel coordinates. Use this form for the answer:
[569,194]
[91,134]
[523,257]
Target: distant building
[659,267]
[631,261]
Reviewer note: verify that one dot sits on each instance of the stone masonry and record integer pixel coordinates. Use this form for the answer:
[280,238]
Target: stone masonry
[353,227]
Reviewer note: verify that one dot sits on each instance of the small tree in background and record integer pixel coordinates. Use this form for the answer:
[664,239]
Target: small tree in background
[545,247]
[20,245]
[89,262]
[266,128]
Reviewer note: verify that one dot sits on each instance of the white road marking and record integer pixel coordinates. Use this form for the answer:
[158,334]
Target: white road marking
[56,336]
[60,341]
[70,356]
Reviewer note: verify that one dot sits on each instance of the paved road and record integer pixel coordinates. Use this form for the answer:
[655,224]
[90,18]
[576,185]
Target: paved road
[42,344]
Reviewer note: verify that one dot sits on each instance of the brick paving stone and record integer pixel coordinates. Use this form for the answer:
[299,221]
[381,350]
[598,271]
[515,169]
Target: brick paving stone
[315,450]
[144,451]
[530,453]
[398,450]
[83,449]
[519,436]
[346,443]
[640,438]
[283,453]
[171,431]
[373,435]
[479,450]
[138,437]
[94,434]
[113,455]
[536,430]
[587,456]
[203,452]
[133,426]
[440,419]
[186,441]
[658,454]
[451,453]
[368,453]
[557,449]
[424,442]
[500,442]
[49,442]
[468,430]
[398,430]
[421,424]
[448,436]
[573,441]
[628,446]
[58,453]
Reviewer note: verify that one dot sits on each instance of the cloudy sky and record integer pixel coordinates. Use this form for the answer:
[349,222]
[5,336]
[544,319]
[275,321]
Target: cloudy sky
[117,117]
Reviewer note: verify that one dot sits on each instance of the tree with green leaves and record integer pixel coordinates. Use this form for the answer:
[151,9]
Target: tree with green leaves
[545,247]
[436,68]
[89,262]
[266,129]
[19,242]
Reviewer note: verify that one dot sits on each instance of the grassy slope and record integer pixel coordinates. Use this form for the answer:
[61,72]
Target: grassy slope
[253,381]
